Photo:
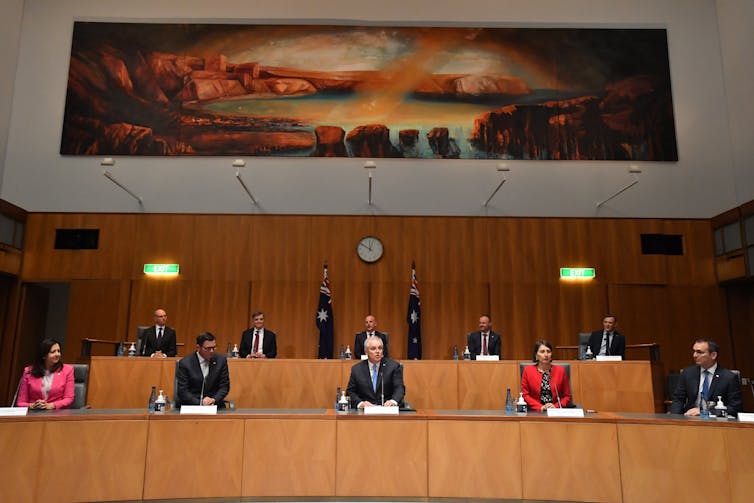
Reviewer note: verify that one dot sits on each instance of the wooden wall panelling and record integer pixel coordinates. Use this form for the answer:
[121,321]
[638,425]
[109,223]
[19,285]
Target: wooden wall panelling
[111,260]
[8,301]
[350,304]
[280,248]
[740,303]
[97,309]
[166,239]
[220,307]
[621,257]
[389,306]
[22,451]
[696,265]
[519,250]
[222,249]
[172,295]
[289,309]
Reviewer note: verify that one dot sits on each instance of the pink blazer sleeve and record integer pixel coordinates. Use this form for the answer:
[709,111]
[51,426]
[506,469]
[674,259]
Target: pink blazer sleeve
[61,392]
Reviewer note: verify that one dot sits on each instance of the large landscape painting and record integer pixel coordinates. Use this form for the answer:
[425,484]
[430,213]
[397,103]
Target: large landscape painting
[369,91]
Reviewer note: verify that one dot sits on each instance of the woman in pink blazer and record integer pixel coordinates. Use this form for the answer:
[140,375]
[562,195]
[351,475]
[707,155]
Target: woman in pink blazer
[545,385]
[47,383]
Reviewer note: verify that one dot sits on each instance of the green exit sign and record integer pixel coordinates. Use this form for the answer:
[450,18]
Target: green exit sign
[161,269]
[577,272]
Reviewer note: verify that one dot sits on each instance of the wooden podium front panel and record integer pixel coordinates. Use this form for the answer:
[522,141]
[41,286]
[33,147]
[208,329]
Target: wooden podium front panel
[22,451]
[92,460]
[431,384]
[284,384]
[675,463]
[289,457]
[739,443]
[382,457]
[193,458]
[474,459]
[624,386]
[482,385]
[125,383]
[570,460]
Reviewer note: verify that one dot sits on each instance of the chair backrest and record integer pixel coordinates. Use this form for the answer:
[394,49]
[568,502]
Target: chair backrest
[80,380]
[583,343]
[140,338]
[566,367]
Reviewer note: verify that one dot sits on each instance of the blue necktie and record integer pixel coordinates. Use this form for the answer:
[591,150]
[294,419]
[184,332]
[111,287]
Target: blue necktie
[374,377]
[705,385]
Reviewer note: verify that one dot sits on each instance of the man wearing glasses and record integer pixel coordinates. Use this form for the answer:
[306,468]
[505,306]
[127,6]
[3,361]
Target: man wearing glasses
[203,377]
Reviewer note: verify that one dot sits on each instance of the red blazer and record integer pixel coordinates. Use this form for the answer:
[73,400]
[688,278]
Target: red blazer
[531,385]
[61,391]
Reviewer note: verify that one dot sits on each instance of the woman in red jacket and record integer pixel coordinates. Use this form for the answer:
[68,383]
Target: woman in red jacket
[47,383]
[545,385]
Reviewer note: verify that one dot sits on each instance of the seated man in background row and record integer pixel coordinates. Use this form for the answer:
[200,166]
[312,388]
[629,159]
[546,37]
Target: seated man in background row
[484,341]
[706,381]
[608,341]
[159,339]
[202,377]
[258,342]
[370,329]
[376,378]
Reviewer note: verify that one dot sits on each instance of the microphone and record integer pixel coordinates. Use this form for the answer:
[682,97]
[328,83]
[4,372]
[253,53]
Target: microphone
[557,395]
[143,340]
[18,388]
[382,384]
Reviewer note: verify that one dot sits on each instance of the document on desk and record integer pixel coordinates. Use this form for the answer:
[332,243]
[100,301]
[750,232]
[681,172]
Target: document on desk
[565,412]
[207,410]
[746,417]
[381,411]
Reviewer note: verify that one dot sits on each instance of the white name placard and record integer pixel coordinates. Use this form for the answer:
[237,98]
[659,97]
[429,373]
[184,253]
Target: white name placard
[381,411]
[565,412]
[13,411]
[746,417]
[207,410]
[609,358]
[487,358]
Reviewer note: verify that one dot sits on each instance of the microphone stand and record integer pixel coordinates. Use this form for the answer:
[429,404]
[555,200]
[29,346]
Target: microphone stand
[18,388]
[382,385]
[557,395]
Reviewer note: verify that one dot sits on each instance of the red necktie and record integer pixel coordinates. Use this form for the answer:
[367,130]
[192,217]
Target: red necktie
[256,342]
[484,344]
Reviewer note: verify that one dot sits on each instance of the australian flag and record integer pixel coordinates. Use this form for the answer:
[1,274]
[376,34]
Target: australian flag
[414,319]
[324,319]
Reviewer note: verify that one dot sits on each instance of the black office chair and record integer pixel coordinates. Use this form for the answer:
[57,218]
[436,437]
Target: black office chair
[81,381]
[583,343]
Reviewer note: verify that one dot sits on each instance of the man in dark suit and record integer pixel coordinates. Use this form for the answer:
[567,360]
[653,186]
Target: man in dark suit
[607,341]
[202,377]
[159,339]
[706,380]
[258,342]
[370,326]
[376,379]
[484,341]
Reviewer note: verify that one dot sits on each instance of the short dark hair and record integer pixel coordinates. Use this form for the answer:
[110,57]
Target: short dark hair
[608,315]
[540,342]
[256,313]
[712,345]
[38,367]
[204,337]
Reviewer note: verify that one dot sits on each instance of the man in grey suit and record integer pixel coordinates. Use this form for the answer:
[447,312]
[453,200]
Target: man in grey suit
[706,381]
[376,380]
[203,377]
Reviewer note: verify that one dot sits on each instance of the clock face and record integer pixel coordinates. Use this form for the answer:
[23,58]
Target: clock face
[370,249]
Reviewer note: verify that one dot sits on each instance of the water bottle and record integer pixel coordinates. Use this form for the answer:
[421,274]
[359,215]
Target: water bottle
[588,355]
[466,353]
[509,409]
[235,351]
[341,354]
[132,350]
[337,398]
[228,352]
[721,411]
[343,402]
[455,351]
[521,407]
[348,352]
[152,398]
[121,350]
[703,407]
[160,403]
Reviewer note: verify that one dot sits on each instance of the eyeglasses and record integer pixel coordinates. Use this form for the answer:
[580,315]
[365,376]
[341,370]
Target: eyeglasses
[209,348]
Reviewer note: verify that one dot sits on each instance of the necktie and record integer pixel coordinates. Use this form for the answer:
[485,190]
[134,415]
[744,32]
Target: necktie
[607,343]
[484,344]
[705,385]
[374,377]
[159,334]
[255,350]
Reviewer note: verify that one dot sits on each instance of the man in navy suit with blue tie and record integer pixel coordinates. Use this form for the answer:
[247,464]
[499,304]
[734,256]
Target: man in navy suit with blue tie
[376,380]
[202,377]
[706,380]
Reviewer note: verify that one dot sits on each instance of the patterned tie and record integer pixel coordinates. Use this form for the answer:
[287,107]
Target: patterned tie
[484,344]
[374,377]
[255,350]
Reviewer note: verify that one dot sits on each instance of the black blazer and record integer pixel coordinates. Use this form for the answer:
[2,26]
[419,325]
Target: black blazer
[189,380]
[166,344]
[269,344]
[617,344]
[724,383]
[360,383]
[474,342]
[358,344]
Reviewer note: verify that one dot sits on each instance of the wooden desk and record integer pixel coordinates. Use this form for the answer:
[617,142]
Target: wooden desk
[128,455]
[630,386]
